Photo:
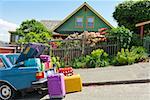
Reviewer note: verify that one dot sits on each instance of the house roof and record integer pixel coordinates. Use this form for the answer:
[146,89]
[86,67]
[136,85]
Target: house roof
[142,23]
[3,44]
[80,7]
[50,24]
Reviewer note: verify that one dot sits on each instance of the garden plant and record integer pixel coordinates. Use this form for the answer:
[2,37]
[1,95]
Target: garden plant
[126,56]
[97,58]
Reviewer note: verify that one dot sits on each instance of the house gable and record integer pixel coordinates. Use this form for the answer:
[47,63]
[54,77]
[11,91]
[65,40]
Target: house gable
[68,25]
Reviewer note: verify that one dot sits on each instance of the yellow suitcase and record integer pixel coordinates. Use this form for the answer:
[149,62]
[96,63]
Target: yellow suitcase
[73,83]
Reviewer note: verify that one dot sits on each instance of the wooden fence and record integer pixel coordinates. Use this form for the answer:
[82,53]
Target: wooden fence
[68,53]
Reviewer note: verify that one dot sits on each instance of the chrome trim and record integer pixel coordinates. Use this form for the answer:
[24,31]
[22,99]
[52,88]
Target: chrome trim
[40,81]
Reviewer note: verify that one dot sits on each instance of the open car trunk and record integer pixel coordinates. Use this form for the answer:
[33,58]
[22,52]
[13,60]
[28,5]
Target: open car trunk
[32,50]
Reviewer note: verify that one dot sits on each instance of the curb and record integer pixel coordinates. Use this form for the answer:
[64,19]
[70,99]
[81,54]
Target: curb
[116,82]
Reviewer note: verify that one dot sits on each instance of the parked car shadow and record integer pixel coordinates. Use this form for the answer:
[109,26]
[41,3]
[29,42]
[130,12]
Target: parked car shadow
[33,95]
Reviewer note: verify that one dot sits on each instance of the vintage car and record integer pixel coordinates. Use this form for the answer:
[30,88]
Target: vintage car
[16,77]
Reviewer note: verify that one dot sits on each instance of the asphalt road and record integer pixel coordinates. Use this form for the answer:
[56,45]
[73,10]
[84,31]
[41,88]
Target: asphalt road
[106,92]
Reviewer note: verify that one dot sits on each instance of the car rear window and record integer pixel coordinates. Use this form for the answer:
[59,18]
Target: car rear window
[12,58]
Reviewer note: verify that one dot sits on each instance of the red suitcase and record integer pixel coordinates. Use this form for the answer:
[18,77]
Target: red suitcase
[68,71]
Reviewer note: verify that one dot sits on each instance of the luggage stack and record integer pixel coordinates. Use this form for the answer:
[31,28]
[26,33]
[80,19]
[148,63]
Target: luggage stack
[45,62]
[63,80]
[73,81]
[32,62]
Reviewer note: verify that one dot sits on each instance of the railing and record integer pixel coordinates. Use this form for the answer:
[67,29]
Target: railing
[146,44]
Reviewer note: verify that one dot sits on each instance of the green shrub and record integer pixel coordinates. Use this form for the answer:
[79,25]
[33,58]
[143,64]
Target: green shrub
[136,40]
[79,62]
[97,58]
[126,56]
[140,52]
[90,62]
[124,35]
[56,61]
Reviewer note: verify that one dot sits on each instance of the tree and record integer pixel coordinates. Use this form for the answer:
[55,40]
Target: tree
[33,31]
[43,37]
[29,37]
[123,34]
[130,13]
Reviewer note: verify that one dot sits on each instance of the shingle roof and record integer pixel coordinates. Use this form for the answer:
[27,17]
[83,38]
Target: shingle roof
[3,44]
[50,24]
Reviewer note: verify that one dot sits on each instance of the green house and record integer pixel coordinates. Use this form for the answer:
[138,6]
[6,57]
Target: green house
[84,18]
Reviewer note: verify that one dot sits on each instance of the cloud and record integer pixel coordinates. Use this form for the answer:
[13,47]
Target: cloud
[6,26]
[4,35]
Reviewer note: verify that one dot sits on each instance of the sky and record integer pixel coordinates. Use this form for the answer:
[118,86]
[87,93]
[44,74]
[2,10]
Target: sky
[13,12]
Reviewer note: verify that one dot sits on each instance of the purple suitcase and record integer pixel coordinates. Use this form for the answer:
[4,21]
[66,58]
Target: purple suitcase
[56,86]
[45,58]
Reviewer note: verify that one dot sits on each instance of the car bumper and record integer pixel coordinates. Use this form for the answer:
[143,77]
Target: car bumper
[42,83]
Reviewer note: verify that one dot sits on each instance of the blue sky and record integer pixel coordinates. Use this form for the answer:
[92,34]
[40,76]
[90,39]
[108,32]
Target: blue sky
[13,12]
[18,10]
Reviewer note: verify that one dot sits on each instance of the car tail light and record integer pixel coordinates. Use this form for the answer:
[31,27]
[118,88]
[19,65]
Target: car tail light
[39,75]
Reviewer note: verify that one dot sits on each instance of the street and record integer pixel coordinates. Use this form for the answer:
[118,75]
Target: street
[136,91]
[106,92]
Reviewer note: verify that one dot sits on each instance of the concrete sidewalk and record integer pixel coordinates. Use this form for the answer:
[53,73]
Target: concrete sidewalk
[140,71]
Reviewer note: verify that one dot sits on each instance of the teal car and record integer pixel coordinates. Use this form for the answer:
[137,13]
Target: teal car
[18,77]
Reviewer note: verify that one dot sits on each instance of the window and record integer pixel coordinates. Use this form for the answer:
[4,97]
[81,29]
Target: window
[15,38]
[12,38]
[79,22]
[1,63]
[90,22]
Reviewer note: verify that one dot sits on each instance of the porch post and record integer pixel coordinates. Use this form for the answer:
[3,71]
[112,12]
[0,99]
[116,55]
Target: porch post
[142,31]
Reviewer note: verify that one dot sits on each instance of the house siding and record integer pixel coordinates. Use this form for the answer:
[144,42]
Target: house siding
[69,25]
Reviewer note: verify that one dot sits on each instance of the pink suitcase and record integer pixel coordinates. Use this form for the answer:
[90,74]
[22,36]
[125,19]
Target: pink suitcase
[56,86]
[47,65]
[45,58]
